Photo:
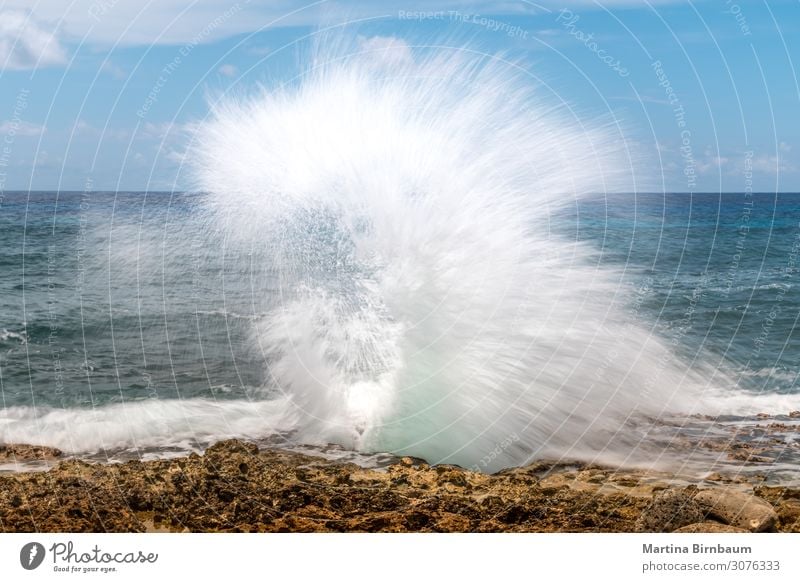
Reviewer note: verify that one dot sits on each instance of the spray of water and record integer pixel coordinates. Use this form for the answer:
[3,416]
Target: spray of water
[425,307]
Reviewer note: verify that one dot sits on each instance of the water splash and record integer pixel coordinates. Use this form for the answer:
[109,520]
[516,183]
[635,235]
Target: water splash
[425,307]
[391,221]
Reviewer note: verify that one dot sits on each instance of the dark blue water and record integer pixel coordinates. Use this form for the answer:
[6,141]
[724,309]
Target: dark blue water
[111,297]
[716,275]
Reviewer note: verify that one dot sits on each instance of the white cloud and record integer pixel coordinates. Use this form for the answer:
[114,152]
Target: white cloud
[114,70]
[258,50]
[21,129]
[166,130]
[106,22]
[166,22]
[85,129]
[770,164]
[228,70]
[711,161]
[175,156]
[157,130]
[25,44]
[43,159]
[778,162]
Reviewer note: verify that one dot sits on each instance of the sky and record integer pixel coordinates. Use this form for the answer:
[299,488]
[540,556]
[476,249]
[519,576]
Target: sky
[102,94]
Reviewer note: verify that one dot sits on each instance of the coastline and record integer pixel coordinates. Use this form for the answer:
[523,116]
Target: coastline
[237,487]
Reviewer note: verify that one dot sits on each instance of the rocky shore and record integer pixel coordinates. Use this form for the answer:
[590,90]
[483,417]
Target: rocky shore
[236,487]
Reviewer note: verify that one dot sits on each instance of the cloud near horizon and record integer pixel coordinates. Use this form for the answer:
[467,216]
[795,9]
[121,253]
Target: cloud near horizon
[21,129]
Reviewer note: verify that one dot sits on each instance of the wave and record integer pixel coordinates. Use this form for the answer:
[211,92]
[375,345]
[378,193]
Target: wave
[18,337]
[141,425]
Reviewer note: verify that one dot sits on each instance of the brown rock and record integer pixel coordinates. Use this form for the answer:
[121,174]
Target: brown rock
[748,457]
[235,487]
[709,527]
[22,453]
[737,509]
[669,510]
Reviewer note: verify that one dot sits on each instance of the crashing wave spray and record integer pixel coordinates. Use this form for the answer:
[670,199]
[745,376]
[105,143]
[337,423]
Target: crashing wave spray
[424,306]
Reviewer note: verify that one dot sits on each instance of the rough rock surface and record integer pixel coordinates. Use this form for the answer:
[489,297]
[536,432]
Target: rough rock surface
[737,509]
[23,453]
[787,505]
[670,510]
[235,486]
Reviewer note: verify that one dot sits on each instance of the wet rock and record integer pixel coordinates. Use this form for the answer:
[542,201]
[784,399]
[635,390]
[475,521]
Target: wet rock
[709,527]
[748,457]
[23,453]
[413,462]
[737,509]
[669,510]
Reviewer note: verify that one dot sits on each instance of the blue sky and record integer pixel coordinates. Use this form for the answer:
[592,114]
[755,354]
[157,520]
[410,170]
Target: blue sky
[99,94]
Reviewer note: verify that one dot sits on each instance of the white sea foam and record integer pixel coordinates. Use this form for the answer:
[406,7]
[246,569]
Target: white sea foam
[144,424]
[6,335]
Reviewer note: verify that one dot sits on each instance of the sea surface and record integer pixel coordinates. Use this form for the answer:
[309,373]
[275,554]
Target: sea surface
[112,298]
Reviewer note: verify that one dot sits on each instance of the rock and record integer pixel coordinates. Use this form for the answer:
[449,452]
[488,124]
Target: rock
[709,527]
[794,414]
[669,510]
[413,462]
[747,457]
[789,514]
[21,453]
[737,509]
[237,487]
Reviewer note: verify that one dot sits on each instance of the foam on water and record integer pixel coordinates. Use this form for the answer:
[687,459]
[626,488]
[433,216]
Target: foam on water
[143,425]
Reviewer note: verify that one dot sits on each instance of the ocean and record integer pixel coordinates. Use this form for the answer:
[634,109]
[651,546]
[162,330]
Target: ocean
[425,272]
[125,325]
